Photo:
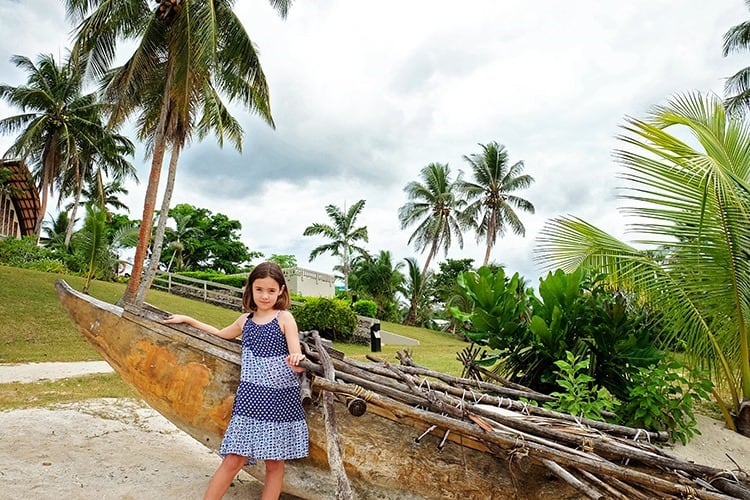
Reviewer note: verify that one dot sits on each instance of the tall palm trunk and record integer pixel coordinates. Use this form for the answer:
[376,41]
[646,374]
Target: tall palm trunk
[73,213]
[147,220]
[433,249]
[161,226]
[45,184]
[491,230]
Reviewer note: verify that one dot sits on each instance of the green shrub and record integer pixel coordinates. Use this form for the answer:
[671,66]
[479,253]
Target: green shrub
[661,399]
[580,396]
[23,252]
[366,308]
[332,318]
[49,266]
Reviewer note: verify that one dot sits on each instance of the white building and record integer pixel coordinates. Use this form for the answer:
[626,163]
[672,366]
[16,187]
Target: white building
[309,283]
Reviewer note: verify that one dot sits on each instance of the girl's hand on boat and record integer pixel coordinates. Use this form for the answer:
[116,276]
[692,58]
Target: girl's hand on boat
[176,318]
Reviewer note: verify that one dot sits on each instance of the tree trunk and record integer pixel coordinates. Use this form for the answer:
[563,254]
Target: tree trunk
[491,234]
[73,213]
[147,220]
[161,226]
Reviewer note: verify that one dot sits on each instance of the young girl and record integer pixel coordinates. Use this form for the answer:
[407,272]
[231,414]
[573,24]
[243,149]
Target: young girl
[268,422]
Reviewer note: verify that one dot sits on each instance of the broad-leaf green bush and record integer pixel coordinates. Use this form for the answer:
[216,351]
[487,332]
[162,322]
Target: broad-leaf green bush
[580,396]
[23,253]
[332,318]
[661,399]
[365,307]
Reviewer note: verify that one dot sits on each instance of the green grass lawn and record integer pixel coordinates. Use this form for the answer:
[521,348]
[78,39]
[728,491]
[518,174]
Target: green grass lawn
[34,327]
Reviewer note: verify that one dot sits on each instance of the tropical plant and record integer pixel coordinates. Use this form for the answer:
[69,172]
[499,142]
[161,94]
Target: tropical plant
[207,240]
[580,395]
[694,195]
[499,311]
[103,193]
[187,54]
[378,278]
[574,312]
[489,196]
[415,288]
[56,119]
[332,318]
[182,230]
[436,208]
[343,236]
[661,398]
[55,231]
[105,157]
[91,243]
[737,86]
[285,261]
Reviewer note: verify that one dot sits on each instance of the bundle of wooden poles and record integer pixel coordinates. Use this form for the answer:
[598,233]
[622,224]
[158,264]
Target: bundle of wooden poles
[599,459]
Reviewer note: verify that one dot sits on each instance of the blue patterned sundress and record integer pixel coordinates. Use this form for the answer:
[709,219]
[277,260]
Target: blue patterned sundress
[268,421]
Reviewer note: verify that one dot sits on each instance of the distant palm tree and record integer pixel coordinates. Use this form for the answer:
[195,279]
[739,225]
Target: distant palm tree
[737,86]
[378,277]
[435,206]
[107,155]
[490,202]
[187,53]
[342,234]
[56,118]
[415,289]
[182,230]
[55,231]
[695,196]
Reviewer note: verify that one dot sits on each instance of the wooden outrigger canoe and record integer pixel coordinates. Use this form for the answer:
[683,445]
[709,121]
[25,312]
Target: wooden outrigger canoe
[411,442]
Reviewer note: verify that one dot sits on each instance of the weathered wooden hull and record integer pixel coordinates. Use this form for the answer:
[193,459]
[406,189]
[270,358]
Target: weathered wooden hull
[190,378]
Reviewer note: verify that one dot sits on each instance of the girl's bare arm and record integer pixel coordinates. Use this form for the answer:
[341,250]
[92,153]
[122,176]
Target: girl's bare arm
[291,334]
[232,331]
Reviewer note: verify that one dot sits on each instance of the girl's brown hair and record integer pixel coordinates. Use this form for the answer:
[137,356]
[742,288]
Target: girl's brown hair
[266,270]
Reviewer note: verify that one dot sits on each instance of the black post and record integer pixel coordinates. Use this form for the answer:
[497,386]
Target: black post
[375,337]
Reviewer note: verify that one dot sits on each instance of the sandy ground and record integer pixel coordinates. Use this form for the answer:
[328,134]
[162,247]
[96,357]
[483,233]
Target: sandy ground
[121,449]
[101,449]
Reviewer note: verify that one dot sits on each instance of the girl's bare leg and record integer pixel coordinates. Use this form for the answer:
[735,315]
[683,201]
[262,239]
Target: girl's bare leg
[222,478]
[274,480]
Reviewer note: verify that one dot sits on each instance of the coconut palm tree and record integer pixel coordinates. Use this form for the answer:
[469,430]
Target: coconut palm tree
[415,288]
[436,208]
[737,86]
[108,155]
[183,229]
[55,231]
[690,196]
[343,236]
[379,278]
[56,118]
[187,54]
[489,196]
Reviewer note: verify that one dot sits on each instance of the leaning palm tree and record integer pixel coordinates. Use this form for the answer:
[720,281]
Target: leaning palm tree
[343,236]
[489,196]
[187,53]
[436,208]
[737,86]
[56,117]
[690,200]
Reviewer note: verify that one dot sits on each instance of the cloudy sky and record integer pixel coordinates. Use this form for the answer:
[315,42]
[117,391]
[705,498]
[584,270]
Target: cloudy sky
[365,94]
